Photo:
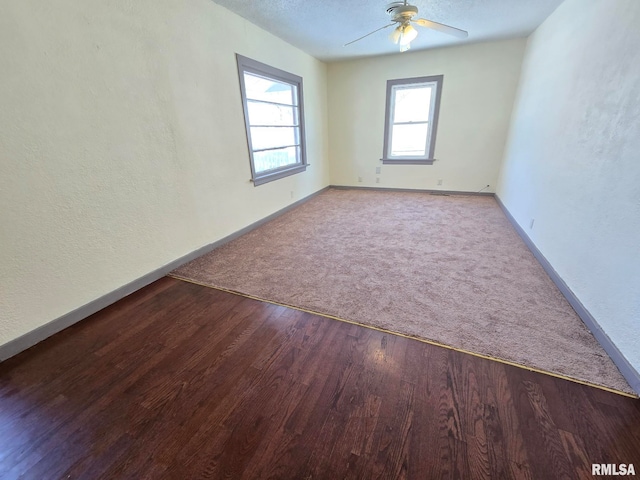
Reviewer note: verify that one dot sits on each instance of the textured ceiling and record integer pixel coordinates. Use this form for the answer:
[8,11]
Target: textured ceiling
[322,27]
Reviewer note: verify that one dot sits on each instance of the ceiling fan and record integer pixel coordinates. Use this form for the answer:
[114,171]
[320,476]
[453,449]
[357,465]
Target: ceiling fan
[402,15]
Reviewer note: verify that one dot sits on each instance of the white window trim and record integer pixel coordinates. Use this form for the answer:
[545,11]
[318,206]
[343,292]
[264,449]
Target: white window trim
[434,113]
[252,66]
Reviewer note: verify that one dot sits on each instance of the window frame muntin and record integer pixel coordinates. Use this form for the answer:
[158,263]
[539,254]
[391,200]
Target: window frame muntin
[434,114]
[251,66]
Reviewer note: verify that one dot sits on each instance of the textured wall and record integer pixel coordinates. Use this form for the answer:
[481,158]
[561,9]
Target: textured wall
[572,158]
[480,82]
[122,144]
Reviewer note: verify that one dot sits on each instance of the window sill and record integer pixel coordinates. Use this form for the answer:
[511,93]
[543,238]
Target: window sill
[407,161]
[270,177]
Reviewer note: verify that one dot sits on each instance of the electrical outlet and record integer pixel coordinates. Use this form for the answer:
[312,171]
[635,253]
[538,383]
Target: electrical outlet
[377,179]
[360,179]
[439,181]
[291,193]
[378,169]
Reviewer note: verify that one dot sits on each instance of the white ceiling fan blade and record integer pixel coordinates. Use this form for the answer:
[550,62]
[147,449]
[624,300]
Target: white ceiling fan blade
[441,27]
[370,33]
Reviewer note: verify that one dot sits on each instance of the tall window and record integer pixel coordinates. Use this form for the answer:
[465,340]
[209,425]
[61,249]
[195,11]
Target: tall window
[274,118]
[411,120]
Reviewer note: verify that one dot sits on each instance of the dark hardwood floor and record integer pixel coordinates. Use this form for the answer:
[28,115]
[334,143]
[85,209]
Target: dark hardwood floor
[182,381]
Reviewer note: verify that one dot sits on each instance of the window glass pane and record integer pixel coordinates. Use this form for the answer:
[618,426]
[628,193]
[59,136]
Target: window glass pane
[270,114]
[260,88]
[270,137]
[412,104]
[409,140]
[271,159]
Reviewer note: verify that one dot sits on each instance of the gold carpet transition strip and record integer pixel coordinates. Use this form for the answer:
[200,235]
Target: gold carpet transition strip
[420,339]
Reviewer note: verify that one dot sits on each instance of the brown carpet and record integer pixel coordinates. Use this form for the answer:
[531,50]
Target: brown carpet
[449,269]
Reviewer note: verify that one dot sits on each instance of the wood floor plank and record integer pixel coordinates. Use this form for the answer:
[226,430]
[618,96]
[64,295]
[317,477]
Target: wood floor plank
[548,431]
[507,453]
[182,381]
[574,449]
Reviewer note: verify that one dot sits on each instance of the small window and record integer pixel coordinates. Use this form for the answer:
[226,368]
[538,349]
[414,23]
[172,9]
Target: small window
[411,120]
[274,118]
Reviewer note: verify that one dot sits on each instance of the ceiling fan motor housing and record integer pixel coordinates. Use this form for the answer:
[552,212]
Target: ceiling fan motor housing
[401,12]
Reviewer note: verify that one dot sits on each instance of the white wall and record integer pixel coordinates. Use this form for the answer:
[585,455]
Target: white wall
[123,147]
[479,86]
[572,161]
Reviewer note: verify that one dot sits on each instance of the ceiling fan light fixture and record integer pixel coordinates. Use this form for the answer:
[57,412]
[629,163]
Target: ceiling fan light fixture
[403,36]
[396,34]
[408,34]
